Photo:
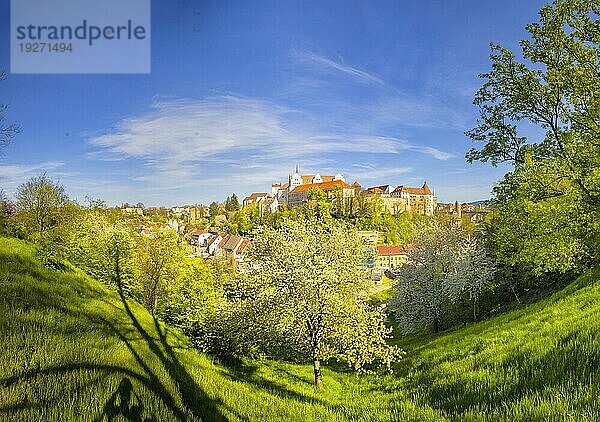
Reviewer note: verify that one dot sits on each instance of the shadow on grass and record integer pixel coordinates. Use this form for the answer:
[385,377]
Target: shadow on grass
[247,373]
[187,401]
[125,402]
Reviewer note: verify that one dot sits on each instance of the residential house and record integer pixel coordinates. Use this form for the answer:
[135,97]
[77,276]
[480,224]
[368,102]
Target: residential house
[390,257]
[212,244]
[256,198]
[391,204]
[199,237]
[233,247]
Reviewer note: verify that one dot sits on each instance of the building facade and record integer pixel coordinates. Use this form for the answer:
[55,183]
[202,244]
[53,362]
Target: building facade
[395,200]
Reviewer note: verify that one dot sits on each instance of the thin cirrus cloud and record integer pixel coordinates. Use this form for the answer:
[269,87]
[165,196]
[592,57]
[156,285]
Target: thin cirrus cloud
[373,173]
[385,105]
[12,175]
[326,64]
[178,138]
[248,141]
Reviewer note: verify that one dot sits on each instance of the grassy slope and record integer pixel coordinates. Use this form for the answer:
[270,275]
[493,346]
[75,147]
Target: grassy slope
[73,350]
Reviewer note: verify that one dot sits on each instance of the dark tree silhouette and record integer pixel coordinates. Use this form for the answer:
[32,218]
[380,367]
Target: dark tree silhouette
[7,131]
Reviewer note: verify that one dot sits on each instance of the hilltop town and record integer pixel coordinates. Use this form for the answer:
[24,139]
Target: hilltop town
[295,191]
[214,232]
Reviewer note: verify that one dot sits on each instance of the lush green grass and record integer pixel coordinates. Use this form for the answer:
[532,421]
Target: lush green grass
[73,350]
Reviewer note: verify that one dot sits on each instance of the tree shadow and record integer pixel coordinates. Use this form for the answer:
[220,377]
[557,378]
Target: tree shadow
[126,403]
[194,399]
[186,401]
[239,371]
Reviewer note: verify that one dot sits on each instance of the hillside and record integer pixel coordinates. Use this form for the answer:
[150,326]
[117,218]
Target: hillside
[74,350]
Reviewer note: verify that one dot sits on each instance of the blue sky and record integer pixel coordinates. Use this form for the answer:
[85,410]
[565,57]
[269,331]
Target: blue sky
[241,92]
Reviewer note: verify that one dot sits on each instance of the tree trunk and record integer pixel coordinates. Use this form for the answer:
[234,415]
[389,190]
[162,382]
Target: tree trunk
[436,325]
[318,375]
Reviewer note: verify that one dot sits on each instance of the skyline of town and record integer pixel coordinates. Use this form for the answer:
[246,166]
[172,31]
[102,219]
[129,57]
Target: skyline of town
[255,89]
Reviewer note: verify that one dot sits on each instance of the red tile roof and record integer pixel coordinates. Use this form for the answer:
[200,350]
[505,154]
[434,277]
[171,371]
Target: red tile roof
[307,178]
[394,250]
[424,190]
[223,241]
[212,239]
[256,195]
[245,245]
[379,189]
[323,186]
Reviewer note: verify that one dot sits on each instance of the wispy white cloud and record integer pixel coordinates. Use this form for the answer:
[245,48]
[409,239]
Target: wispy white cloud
[326,64]
[434,152]
[182,143]
[384,106]
[372,172]
[12,175]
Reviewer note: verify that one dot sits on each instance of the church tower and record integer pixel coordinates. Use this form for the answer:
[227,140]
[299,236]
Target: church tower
[295,179]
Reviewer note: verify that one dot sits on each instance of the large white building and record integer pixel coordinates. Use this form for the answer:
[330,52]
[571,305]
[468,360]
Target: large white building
[294,193]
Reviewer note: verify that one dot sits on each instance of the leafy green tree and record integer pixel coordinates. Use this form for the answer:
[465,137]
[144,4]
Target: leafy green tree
[7,211]
[235,202]
[553,192]
[306,297]
[103,246]
[214,209]
[192,301]
[41,200]
[317,204]
[95,204]
[157,264]
[244,223]
[232,203]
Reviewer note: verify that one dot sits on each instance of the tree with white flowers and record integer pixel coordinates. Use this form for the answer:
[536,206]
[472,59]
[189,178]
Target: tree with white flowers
[445,264]
[306,297]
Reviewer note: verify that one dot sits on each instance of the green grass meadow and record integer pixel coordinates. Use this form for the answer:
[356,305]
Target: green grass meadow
[71,349]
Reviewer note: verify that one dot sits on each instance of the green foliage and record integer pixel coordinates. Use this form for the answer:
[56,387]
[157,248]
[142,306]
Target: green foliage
[157,263]
[103,246]
[548,203]
[7,212]
[40,202]
[232,203]
[72,349]
[214,209]
[317,205]
[549,235]
[192,301]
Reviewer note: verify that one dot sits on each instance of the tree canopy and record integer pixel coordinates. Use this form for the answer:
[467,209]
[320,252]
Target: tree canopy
[548,202]
[305,297]
[445,263]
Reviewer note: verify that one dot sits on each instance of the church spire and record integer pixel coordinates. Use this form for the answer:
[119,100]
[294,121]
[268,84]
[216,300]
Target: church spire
[296,168]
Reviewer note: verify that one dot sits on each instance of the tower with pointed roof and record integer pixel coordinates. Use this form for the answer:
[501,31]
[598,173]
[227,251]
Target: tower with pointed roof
[295,179]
